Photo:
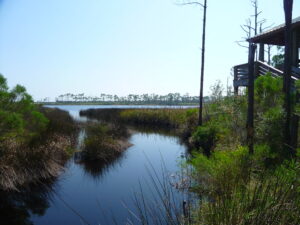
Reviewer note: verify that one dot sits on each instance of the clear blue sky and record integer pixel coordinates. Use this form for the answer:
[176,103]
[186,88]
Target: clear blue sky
[121,46]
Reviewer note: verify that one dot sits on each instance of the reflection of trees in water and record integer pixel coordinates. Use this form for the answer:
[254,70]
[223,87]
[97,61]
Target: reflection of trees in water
[16,208]
[98,168]
[164,133]
[150,130]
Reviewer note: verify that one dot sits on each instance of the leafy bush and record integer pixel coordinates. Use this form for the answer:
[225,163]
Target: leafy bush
[270,125]
[220,173]
[19,116]
[268,92]
[269,113]
[205,138]
[278,59]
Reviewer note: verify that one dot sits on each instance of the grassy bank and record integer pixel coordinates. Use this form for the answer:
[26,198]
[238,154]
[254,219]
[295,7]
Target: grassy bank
[34,141]
[40,158]
[179,121]
[104,142]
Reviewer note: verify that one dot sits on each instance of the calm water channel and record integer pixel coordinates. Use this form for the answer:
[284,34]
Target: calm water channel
[93,194]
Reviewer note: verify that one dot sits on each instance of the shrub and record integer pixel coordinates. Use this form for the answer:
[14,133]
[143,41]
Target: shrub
[270,125]
[269,114]
[205,138]
[220,173]
[19,116]
[268,93]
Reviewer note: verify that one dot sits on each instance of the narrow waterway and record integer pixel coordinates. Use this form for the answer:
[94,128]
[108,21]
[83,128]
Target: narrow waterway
[98,194]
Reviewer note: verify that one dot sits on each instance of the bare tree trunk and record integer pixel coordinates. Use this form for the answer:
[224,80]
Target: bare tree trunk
[288,10]
[256,13]
[200,120]
[255,16]
[250,114]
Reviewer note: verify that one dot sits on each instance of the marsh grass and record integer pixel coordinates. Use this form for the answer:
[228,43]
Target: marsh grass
[182,122]
[163,197]
[41,157]
[104,142]
[60,122]
[273,200]
[237,189]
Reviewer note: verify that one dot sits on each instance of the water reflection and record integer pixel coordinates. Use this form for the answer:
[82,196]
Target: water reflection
[99,168]
[16,208]
[97,190]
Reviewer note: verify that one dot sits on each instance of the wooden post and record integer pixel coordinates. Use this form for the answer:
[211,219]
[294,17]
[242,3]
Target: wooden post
[235,74]
[236,91]
[250,114]
[261,52]
[295,118]
[288,11]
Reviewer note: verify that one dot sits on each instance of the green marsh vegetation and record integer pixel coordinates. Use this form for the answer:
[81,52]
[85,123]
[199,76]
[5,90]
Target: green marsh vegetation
[104,142]
[176,121]
[233,186]
[34,141]
[106,139]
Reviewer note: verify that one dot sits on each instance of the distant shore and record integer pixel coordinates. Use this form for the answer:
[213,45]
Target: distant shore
[114,103]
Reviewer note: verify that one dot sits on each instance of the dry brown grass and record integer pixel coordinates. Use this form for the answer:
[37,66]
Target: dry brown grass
[21,165]
[38,158]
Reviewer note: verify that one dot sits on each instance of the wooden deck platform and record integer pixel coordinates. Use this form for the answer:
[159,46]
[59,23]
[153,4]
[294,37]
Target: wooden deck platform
[261,68]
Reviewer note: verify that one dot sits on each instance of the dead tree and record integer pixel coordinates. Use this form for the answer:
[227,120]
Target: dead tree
[256,14]
[204,6]
[288,11]
[247,28]
[202,65]
[254,27]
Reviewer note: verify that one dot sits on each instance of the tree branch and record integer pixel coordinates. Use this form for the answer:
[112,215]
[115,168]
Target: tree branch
[191,3]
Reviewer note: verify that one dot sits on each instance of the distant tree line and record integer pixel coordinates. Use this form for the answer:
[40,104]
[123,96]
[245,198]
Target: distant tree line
[169,99]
